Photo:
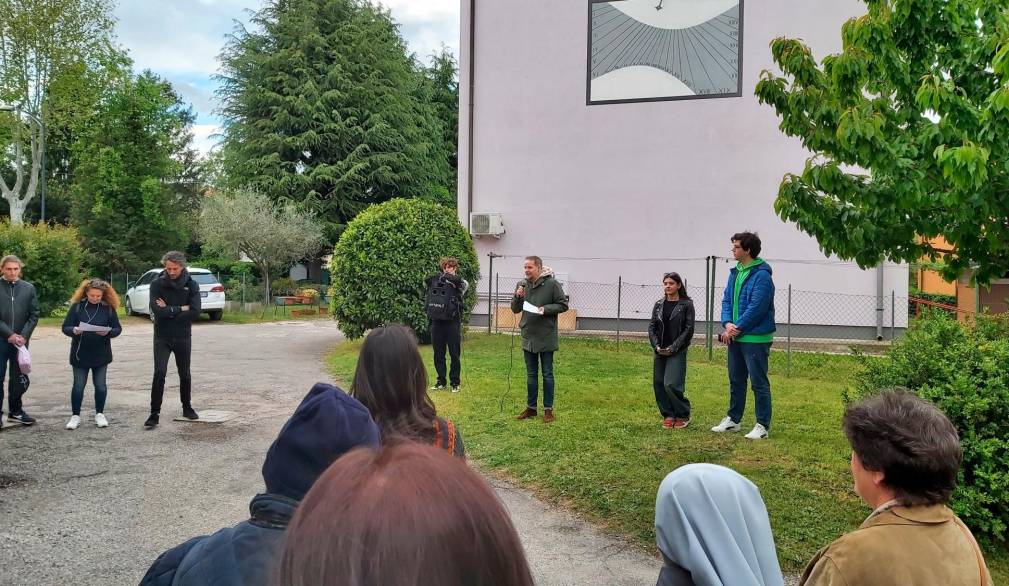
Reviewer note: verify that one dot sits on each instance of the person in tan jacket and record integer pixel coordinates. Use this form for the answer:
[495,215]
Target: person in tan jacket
[904,461]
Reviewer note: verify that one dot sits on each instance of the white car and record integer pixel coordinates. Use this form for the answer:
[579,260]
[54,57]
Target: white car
[138,296]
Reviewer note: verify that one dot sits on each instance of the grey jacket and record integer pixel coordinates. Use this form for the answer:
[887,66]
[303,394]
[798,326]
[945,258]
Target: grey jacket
[19,308]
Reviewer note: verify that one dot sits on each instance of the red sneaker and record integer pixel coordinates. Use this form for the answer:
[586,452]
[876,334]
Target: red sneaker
[668,423]
[681,423]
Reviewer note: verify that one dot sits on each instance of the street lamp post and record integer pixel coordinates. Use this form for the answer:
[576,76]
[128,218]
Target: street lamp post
[42,169]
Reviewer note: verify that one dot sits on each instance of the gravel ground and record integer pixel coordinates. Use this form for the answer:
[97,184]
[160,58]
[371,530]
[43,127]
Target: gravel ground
[96,506]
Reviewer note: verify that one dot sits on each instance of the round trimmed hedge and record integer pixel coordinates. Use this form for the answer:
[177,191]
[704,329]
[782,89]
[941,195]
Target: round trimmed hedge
[52,259]
[385,255]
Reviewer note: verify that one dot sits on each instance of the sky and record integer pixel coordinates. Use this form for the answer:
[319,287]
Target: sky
[181,39]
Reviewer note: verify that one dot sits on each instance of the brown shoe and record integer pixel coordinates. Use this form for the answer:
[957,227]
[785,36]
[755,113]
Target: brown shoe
[548,415]
[527,414]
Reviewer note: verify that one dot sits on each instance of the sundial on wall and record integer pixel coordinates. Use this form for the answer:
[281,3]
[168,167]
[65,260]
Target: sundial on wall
[649,50]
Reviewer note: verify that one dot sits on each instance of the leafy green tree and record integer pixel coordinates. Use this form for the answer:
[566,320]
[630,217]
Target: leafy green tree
[907,126]
[44,44]
[125,197]
[321,106]
[442,92]
[383,258]
[273,236]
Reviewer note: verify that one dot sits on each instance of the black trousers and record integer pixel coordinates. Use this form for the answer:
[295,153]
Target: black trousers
[446,333]
[9,363]
[163,348]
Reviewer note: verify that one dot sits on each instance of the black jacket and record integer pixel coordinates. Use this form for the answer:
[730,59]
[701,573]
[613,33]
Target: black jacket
[19,308]
[170,322]
[88,349]
[681,323]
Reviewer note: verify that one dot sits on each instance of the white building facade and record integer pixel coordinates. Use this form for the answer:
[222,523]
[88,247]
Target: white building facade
[619,140]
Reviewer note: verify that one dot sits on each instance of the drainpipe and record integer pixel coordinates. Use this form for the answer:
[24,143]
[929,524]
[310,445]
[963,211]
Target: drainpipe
[879,302]
[472,89]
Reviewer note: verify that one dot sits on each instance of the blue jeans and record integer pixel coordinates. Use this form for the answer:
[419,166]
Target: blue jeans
[749,359]
[533,362]
[81,381]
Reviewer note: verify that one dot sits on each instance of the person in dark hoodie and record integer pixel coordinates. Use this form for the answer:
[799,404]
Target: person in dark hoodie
[175,303]
[327,424]
[94,303]
[748,319]
[17,322]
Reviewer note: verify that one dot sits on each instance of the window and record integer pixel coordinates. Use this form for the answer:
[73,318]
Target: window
[204,278]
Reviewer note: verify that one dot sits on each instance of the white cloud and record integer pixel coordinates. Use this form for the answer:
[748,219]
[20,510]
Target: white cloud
[204,139]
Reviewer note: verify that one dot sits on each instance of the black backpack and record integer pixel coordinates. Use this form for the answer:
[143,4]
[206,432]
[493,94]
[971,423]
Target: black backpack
[441,301]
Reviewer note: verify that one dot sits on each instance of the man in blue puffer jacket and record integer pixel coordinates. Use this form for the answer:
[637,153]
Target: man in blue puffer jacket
[748,319]
[327,424]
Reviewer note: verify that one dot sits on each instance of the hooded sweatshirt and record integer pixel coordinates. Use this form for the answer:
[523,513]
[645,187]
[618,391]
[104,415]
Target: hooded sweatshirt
[327,424]
[712,529]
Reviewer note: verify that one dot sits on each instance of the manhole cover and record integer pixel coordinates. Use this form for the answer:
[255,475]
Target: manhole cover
[209,416]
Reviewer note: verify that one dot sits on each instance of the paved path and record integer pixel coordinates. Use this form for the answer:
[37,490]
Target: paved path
[98,505]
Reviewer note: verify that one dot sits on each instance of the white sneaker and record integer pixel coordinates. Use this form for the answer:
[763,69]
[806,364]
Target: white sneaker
[727,424]
[100,420]
[74,422]
[757,433]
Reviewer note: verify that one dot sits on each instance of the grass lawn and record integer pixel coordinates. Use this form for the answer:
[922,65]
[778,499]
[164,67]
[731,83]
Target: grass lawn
[607,453]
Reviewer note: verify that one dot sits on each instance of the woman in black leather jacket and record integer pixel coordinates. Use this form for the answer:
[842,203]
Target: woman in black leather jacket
[670,332]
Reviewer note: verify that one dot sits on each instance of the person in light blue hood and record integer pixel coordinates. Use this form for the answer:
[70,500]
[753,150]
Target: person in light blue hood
[327,424]
[712,529]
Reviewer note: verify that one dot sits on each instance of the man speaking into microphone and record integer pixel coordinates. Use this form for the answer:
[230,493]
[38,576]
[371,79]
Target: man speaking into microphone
[539,298]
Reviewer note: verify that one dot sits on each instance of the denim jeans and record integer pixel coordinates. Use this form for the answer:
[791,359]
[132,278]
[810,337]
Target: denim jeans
[163,348]
[81,381]
[533,362]
[748,359]
[669,376]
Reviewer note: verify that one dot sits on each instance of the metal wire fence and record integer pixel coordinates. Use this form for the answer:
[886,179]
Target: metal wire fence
[806,320]
[245,292]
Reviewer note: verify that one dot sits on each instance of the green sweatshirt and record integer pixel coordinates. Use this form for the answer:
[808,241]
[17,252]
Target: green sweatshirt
[742,272]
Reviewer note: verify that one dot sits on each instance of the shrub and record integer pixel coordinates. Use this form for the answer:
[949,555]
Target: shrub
[383,258]
[963,370]
[52,258]
[282,286]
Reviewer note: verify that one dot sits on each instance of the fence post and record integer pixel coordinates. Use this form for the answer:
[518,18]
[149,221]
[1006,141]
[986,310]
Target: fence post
[490,292]
[620,291]
[711,322]
[497,287]
[707,306]
[893,314]
[243,290]
[788,345]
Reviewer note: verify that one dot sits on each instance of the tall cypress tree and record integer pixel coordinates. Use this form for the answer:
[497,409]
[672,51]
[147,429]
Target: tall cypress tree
[323,106]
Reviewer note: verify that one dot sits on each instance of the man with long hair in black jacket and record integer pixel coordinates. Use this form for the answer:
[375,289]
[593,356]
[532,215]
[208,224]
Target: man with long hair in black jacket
[174,303]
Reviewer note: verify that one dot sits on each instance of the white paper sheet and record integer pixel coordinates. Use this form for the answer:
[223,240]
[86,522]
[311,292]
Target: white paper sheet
[526,306]
[90,328]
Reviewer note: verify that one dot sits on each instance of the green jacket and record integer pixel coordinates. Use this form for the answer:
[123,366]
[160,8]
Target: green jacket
[539,332]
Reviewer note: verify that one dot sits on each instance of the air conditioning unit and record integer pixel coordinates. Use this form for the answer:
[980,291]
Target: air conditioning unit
[486,224]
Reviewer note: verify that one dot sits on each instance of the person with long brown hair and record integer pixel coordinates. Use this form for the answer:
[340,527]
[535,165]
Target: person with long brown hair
[405,515]
[390,380]
[91,323]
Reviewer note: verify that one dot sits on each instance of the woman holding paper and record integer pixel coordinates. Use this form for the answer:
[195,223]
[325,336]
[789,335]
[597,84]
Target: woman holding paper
[91,322]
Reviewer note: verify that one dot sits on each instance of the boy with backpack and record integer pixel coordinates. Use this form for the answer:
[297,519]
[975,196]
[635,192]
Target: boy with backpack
[444,304]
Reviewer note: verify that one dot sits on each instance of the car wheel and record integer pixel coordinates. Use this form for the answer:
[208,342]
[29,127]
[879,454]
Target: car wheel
[129,307]
[216,315]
